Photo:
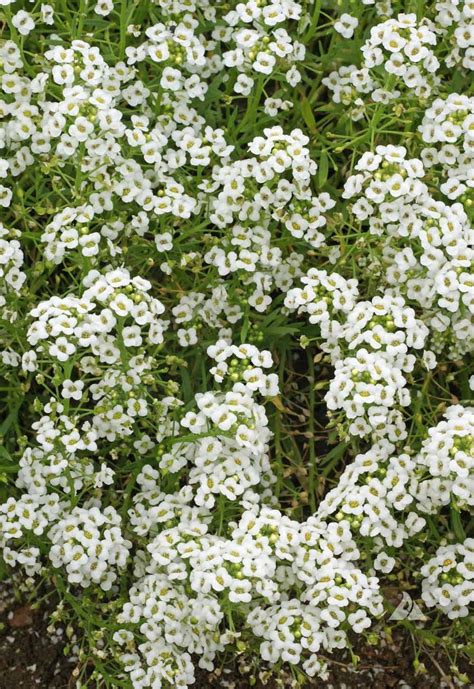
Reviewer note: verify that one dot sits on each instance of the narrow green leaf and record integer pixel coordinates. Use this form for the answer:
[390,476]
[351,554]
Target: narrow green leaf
[323,167]
[308,117]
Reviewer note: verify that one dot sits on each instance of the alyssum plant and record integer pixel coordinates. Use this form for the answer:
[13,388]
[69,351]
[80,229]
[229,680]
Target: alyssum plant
[192,195]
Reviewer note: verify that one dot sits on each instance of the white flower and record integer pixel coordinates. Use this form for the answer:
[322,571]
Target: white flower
[346,24]
[23,22]
[47,14]
[72,389]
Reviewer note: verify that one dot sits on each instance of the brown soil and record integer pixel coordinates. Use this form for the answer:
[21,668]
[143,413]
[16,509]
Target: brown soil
[31,659]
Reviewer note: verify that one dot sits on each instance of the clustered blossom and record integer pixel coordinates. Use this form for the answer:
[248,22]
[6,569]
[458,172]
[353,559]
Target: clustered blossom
[454,22]
[172,235]
[267,554]
[448,579]
[448,125]
[369,344]
[62,327]
[11,261]
[89,544]
[273,186]
[375,494]
[403,47]
[447,455]
[400,55]
[427,245]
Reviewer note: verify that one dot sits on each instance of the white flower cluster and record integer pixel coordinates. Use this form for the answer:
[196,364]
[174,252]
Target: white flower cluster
[449,122]
[197,309]
[373,494]
[180,209]
[427,246]
[448,456]
[369,344]
[11,276]
[448,579]
[256,45]
[64,326]
[398,55]
[454,19]
[235,457]
[173,625]
[253,194]
[403,48]
[267,555]
[89,545]
[29,513]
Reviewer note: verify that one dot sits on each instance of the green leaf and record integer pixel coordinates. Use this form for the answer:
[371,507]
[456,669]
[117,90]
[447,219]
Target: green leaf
[323,167]
[186,384]
[308,117]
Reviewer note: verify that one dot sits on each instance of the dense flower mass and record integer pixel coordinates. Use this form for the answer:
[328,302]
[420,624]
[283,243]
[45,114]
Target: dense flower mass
[237,322]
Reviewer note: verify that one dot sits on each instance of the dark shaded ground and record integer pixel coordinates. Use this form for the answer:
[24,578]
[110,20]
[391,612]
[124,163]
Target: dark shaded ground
[31,659]
[29,656]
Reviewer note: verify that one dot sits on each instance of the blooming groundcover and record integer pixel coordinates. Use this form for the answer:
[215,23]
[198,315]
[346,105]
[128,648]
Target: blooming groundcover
[236,312]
